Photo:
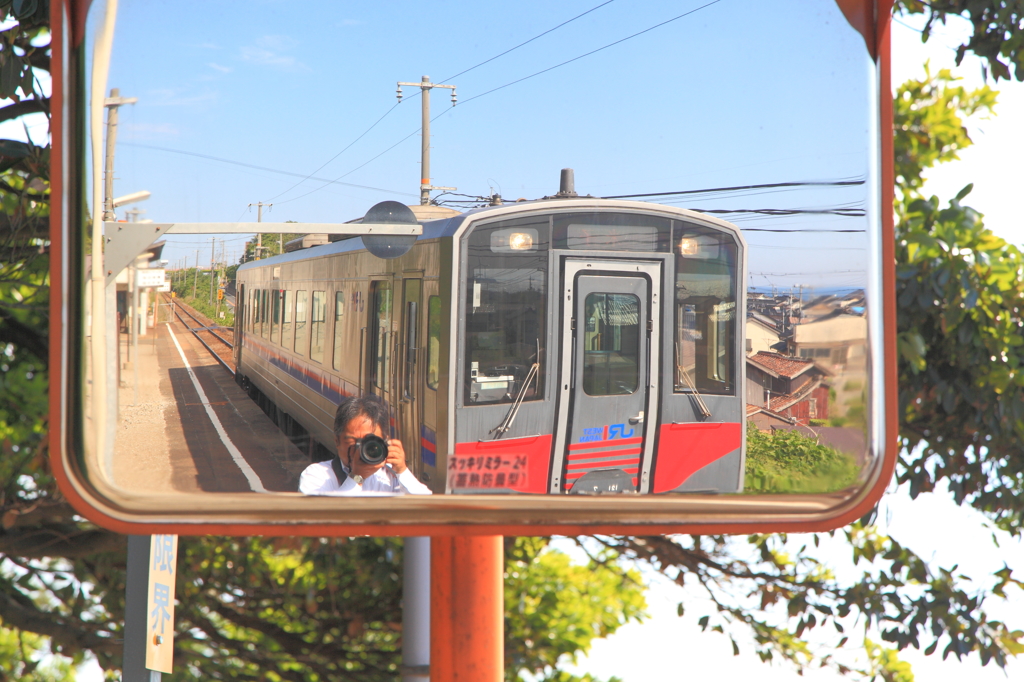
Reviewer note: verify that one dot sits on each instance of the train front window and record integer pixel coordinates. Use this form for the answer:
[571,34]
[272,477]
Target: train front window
[612,232]
[611,344]
[705,311]
[505,310]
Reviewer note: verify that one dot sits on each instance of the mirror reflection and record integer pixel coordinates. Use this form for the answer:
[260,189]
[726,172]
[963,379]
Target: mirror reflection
[685,310]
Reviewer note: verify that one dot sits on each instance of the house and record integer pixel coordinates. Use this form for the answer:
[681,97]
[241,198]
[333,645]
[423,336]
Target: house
[793,387]
[833,341]
[762,333]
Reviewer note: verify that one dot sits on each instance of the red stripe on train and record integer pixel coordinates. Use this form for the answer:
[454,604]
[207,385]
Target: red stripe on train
[604,443]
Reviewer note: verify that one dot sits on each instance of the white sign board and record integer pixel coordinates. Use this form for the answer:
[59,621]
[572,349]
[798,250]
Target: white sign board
[149,278]
[163,558]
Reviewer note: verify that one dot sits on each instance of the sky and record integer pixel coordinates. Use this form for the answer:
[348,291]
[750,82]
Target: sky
[673,109]
[692,104]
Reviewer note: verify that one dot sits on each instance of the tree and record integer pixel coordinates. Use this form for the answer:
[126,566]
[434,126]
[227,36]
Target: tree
[327,609]
[998,30]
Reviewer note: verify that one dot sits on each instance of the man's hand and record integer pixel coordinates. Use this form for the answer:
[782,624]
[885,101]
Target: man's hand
[396,456]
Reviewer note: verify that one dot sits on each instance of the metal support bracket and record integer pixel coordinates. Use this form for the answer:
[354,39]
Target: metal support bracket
[125,241]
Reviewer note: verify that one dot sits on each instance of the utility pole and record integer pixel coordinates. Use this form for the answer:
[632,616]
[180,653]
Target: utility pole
[426,86]
[133,214]
[195,280]
[259,218]
[112,103]
[213,243]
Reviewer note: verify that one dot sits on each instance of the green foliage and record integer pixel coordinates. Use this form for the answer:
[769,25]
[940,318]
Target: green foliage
[268,245]
[960,291]
[556,608]
[997,38]
[928,119]
[185,282]
[886,664]
[788,462]
[24,657]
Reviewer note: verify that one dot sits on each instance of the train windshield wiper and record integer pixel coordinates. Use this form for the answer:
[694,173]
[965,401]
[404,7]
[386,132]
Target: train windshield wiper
[506,423]
[694,393]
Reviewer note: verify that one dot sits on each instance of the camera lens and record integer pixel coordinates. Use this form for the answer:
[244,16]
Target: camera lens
[373,449]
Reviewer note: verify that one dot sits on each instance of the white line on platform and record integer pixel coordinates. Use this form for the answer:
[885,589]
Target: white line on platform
[254,481]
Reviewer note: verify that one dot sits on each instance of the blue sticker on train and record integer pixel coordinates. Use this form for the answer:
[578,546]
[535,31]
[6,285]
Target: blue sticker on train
[607,432]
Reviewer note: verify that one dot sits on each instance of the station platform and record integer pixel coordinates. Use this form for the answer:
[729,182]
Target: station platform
[185,425]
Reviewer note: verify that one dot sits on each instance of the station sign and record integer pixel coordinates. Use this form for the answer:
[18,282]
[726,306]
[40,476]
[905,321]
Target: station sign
[152,277]
[636,363]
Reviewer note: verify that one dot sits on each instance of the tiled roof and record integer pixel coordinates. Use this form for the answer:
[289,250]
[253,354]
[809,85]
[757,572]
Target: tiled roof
[782,365]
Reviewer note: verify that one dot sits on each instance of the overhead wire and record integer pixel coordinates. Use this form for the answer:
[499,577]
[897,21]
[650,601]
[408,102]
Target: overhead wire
[486,61]
[520,80]
[736,188]
[347,147]
[540,35]
[262,168]
[587,54]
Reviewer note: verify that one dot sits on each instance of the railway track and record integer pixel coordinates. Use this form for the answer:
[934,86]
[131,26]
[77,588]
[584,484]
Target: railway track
[222,349]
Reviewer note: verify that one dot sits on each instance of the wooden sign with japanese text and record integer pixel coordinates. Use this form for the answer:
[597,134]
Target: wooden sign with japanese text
[163,558]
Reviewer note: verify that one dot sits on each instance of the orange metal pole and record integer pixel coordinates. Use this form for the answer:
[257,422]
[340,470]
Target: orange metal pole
[467,609]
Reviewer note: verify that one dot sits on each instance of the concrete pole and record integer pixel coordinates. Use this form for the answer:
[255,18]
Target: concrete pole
[108,169]
[416,610]
[213,246]
[195,280]
[425,144]
[136,619]
[426,86]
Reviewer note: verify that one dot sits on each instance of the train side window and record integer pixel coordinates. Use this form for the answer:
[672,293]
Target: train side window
[505,311]
[275,315]
[301,298]
[339,317]
[380,327]
[265,313]
[705,311]
[254,299]
[433,340]
[287,299]
[318,326]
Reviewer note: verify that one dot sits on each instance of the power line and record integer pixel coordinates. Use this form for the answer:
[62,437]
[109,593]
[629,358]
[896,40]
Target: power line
[339,153]
[540,35]
[317,189]
[736,188]
[605,47]
[845,212]
[519,80]
[262,168]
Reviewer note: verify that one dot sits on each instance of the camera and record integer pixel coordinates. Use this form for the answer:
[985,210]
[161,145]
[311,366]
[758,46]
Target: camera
[372,449]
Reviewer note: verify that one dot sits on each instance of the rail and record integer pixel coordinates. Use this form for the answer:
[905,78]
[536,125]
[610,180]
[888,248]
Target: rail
[195,332]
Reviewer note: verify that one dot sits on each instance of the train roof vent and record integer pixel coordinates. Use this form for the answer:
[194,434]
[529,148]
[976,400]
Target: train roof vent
[567,186]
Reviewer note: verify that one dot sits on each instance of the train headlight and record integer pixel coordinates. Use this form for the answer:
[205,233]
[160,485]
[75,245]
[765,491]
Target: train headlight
[520,241]
[514,239]
[688,246]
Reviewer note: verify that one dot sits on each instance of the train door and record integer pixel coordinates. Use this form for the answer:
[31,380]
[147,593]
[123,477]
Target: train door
[241,318]
[408,360]
[610,358]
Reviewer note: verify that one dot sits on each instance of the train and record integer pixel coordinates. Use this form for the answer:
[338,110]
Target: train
[566,345]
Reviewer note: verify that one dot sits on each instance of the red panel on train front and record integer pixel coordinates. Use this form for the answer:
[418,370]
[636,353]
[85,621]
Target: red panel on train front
[684,449]
[520,464]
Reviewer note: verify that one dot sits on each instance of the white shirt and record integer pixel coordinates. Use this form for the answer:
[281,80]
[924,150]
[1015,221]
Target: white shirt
[319,479]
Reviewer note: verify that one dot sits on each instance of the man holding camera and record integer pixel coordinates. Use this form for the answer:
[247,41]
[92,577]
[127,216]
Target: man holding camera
[366,463]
